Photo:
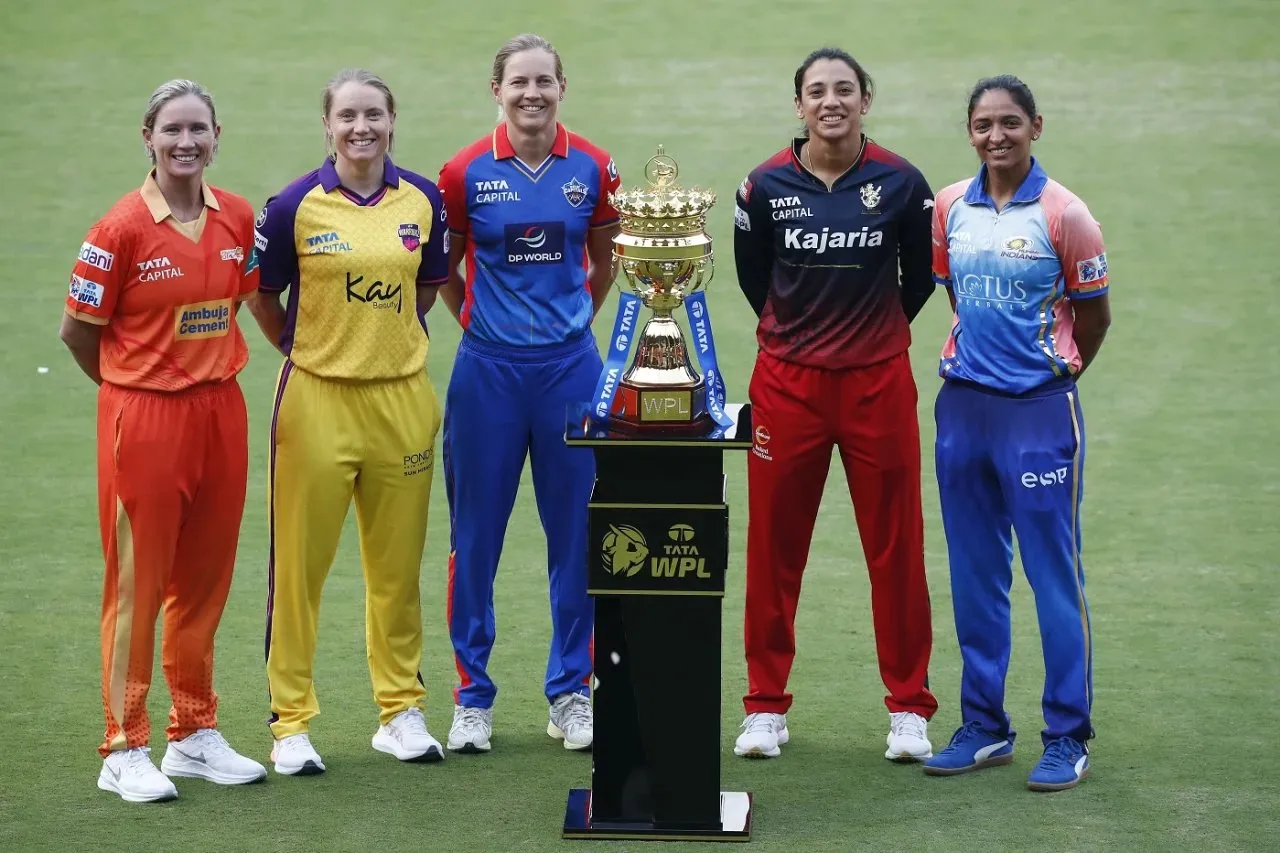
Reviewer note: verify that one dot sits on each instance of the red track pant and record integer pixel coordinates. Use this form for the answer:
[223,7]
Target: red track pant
[869,413]
[171,488]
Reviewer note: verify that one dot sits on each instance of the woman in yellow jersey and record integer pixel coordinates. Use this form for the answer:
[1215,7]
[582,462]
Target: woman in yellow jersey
[359,245]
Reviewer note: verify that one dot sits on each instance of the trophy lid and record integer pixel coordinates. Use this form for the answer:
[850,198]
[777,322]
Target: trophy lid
[664,208]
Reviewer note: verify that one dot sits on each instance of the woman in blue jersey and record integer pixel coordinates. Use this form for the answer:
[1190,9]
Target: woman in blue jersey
[531,263]
[359,245]
[1025,268]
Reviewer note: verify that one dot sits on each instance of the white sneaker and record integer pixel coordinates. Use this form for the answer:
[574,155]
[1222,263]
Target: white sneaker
[131,774]
[471,729]
[762,736]
[908,738]
[406,737]
[207,755]
[295,756]
[572,721]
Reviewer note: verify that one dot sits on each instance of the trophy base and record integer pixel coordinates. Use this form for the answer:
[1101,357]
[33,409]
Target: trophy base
[734,823]
[664,410]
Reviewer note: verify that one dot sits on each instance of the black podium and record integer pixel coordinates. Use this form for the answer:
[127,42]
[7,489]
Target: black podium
[658,549]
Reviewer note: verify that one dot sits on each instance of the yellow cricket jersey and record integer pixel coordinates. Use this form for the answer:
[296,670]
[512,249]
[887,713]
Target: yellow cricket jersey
[351,266]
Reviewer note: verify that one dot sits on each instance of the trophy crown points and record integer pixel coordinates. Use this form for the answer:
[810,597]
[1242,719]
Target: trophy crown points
[664,206]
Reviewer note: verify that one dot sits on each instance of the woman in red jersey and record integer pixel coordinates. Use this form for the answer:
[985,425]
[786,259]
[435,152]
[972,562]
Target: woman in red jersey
[151,318]
[822,229]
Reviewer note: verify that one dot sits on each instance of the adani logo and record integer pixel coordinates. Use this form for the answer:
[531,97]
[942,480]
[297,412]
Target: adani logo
[535,243]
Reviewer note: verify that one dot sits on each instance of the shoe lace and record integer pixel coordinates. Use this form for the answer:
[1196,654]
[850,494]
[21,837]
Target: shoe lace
[758,722]
[412,721]
[210,741]
[968,730]
[470,718]
[138,759]
[906,723]
[1064,750]
[577,711]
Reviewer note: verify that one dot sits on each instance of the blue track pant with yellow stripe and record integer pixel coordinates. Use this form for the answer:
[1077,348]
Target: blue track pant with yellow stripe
[1010,465]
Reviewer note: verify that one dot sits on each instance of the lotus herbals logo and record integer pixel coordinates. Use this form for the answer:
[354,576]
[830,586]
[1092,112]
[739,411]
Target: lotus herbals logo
[624,550]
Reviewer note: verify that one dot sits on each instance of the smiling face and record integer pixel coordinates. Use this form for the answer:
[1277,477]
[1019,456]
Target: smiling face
[360,123]
[183,138]
[831,101]
[530,90]
[1001,131]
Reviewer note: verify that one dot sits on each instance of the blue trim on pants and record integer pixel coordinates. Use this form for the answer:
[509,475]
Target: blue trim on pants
[504,404]
[1010,465]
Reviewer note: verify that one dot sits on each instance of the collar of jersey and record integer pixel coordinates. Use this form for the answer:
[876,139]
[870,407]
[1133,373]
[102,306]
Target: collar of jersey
[329,180]
[503,150]
[159,208]
[1029,190]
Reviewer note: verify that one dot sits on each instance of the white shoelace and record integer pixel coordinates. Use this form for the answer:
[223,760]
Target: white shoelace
[909,724]
[578,712]
[209,741]
[138,760]
[412,721]
[758,722]
[471,718]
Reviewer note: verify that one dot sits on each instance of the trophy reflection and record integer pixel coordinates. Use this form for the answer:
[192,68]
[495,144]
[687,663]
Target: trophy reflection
[665,253]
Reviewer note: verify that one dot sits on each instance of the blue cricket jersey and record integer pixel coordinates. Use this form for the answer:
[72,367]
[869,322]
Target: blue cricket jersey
[525,227]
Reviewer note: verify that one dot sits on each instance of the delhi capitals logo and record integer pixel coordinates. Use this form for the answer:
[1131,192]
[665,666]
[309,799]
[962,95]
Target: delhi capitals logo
[411,236]
[574,192]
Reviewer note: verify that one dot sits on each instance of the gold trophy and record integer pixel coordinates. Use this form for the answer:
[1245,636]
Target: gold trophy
[665,254]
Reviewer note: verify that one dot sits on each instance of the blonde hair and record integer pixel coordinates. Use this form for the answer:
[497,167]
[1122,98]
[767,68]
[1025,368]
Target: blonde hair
[519,44]
[170,91]
[364,78]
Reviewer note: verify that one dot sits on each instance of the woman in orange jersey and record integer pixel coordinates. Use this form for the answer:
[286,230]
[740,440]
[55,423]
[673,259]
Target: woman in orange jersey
[151,319]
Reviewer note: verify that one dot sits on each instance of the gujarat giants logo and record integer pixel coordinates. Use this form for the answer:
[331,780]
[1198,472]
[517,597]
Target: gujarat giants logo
[624,550]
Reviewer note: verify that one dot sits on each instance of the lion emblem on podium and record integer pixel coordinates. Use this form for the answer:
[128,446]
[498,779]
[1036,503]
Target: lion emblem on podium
[624,550]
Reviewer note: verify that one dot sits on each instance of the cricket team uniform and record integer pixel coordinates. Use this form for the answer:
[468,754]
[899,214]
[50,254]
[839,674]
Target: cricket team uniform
[527,352]
[1010,444]
[355,415]
[172,444]
[820,267]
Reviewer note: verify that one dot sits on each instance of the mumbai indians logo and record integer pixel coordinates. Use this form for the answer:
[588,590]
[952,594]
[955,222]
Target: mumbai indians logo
[624,550]
[410,235]
[574,191]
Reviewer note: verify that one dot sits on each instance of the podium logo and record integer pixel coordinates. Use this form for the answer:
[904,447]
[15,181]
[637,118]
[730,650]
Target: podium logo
[680,556]
[624,550]
[680,533]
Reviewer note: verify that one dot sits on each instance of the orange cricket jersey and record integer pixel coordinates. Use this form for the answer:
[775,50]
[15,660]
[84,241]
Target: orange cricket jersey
[166,291]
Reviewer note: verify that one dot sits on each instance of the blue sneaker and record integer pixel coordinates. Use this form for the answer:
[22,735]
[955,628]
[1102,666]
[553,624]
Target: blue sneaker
[1064,763]
[970,749]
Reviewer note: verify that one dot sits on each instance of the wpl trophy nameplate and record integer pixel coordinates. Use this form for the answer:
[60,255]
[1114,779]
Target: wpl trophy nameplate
[665,255]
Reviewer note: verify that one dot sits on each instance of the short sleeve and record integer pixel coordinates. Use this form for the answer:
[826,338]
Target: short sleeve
[610,180]
[1081,250]
[248,268]
[434,268]
[455,196]
[99,274]
[274,259]
[941,255]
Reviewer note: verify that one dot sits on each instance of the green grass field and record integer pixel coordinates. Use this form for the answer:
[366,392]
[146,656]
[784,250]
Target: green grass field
[1162,114]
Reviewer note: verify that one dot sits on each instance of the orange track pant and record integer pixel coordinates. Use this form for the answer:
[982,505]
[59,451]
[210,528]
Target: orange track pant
[172,470]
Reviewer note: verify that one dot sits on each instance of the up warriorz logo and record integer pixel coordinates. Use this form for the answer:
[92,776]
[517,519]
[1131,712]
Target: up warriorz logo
[95,257]
[575,191]
[85,292]
[419,463]
[200,320]
[410,235]
[624,550]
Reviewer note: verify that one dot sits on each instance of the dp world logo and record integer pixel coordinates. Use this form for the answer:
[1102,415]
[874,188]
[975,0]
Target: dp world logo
[624,550]
[533,237]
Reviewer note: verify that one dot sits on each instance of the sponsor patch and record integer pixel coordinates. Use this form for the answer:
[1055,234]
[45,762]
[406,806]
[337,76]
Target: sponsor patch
[535,242]
[199,320]
[95,257]
[236,254]
[85,292]
[1092,269]
[261,220]
[741,219]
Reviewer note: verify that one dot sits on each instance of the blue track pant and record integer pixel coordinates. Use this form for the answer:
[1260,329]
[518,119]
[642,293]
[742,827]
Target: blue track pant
[1016,463]
[504,404]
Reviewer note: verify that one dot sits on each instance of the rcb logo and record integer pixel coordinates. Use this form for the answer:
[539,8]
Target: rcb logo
[624,550]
